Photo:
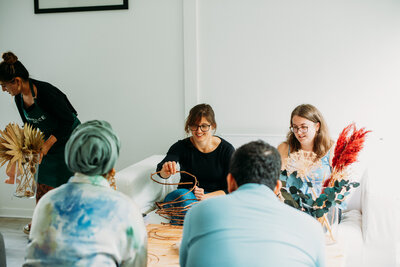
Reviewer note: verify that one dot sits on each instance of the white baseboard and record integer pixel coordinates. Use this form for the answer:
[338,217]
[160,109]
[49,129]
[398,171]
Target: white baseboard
[16,213]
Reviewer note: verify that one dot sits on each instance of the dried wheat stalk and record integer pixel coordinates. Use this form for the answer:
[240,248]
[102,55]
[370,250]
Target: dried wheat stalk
[20,148]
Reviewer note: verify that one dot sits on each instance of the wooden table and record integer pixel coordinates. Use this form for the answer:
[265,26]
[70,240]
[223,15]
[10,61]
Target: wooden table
[161,245]
[162,249]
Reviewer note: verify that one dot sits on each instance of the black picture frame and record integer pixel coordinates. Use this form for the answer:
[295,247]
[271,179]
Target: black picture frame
[60,8]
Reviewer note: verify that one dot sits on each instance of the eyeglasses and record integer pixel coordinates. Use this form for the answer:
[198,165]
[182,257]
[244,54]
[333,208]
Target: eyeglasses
[6,84]
[302,129]
[203,127]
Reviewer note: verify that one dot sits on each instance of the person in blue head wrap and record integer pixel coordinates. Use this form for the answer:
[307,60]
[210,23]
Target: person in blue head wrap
[85,222]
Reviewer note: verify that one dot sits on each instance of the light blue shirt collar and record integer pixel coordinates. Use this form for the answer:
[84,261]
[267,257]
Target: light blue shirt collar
[265,190]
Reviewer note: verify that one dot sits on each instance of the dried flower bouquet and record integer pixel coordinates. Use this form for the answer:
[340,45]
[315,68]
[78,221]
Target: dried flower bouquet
[20,148]
[298,170]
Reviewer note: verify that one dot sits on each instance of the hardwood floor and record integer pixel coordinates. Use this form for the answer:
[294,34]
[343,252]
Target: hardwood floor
[15,239]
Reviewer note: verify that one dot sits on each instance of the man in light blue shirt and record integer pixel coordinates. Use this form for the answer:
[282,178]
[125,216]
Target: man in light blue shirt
[251,227]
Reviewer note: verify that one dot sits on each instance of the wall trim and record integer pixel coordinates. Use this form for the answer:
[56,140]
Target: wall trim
[16,212]
[240,139]
[190,55]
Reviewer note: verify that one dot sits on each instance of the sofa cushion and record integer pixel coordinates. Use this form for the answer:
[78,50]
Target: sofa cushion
[135,182]
[350,238]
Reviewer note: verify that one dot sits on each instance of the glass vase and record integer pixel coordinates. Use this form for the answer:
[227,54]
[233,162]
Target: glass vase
[330,224]
[26,176]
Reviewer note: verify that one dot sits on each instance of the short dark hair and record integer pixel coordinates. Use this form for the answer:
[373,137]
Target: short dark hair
[256,162]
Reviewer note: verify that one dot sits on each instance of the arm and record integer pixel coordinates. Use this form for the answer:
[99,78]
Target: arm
[283,150]
[183,250]
[57,104]
[212,194]
[10,171]
[136,233]
[46,146]
[139,259]
[168,165]
[226,161]
[168,169]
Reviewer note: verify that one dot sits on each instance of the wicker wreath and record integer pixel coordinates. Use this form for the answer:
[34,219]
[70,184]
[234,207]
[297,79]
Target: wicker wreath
[166,209]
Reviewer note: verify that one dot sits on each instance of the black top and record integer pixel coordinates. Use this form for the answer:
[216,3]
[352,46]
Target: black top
[55,103]
[210,169]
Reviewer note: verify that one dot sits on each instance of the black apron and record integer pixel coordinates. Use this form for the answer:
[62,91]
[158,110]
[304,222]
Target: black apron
[52,171]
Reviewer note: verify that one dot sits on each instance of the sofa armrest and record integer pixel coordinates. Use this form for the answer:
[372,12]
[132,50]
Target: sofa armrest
[134,181]
[378,209]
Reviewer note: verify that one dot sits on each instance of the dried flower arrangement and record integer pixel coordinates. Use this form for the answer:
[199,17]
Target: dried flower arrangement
[20,147]
[348,146]
[298,169]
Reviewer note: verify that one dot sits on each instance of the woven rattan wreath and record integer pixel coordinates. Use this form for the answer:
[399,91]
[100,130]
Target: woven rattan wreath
[166,210]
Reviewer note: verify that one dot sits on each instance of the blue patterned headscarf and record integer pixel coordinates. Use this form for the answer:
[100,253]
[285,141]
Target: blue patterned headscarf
[92,149]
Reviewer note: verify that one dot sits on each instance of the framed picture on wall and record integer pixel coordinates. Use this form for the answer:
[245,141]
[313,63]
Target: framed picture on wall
[51,6]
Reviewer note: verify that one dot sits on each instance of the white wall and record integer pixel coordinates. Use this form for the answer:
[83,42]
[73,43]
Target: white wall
[259,60]
[124,66]
[142,69]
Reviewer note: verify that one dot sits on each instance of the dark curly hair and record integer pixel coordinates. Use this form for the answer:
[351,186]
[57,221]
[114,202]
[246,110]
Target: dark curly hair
[256,162]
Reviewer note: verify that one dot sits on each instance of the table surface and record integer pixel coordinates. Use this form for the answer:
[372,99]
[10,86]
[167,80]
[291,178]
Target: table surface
[161,245]
[163,251]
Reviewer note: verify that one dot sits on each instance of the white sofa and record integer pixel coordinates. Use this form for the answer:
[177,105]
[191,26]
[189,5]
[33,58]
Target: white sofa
[370,229]
[135,182]
[367,233]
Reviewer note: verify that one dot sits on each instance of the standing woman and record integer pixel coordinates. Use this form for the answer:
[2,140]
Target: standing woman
[309,132]
[203,154]
[44,107]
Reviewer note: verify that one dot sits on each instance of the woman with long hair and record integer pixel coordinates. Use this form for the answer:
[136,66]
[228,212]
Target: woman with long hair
[309,132]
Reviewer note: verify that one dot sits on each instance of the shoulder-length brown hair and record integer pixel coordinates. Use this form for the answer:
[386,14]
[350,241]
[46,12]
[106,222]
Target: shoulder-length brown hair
[322,139]
[196,113]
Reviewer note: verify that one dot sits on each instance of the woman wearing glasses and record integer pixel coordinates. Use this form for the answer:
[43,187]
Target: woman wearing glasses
[309,132]
[203,154]
[44,107]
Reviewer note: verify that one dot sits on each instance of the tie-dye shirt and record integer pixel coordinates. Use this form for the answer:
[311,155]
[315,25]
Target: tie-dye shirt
[86,223]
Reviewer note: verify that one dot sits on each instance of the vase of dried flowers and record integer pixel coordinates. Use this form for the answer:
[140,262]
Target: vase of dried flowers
[330,225]
[20,149]
[26,178]
[296,174]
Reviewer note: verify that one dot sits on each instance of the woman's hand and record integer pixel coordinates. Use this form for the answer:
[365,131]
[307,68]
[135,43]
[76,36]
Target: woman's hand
[168,169]
[46,147]
[10,171]
[199,193]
